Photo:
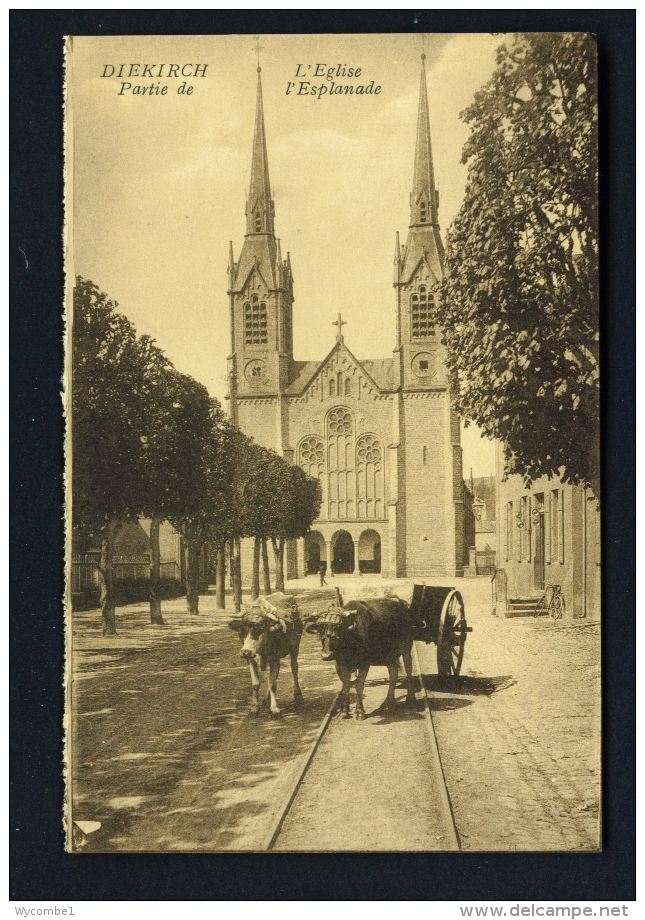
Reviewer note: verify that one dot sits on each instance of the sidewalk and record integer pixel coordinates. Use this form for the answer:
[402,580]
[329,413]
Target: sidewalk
[520,740]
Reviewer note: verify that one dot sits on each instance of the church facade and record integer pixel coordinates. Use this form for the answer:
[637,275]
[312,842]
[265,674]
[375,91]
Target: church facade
[380,434]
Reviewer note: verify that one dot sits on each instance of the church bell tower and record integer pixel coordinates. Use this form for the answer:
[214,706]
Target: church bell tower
[260,293]
[429,510]
[418,267]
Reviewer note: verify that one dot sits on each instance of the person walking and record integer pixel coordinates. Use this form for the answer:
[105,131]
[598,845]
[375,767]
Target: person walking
[321,572]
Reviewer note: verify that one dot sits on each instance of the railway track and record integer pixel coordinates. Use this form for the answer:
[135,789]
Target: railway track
[432,767]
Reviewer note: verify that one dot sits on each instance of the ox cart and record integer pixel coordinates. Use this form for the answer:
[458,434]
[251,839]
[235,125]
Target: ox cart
[440,618]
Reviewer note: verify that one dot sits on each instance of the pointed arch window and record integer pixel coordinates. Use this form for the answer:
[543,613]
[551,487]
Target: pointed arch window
[348,387]
[311,458]
[422,308]
[258,223]
[422,209]
[340,454]
[255,321]
[369,477]
[332,386]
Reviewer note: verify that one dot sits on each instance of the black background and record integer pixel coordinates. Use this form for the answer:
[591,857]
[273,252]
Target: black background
[40,869]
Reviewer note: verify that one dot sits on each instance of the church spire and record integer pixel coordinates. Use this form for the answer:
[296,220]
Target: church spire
[259,206]
[424,240]
[423,198]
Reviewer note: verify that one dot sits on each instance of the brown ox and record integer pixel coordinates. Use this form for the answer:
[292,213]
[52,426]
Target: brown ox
[266,640]
[364,633]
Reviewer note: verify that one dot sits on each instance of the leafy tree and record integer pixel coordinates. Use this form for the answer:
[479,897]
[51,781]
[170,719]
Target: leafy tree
[181,421]
[297,502]
[519,301]
[200,503]
[229,526]
[269,500]
[110,371]
[259,507]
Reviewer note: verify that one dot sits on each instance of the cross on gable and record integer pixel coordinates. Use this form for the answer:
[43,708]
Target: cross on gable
[340,322]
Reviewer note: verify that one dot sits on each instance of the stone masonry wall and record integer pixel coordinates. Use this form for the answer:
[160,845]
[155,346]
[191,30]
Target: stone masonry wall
[429,524]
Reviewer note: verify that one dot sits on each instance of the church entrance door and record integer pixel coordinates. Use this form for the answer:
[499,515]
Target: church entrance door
[343,562]
[313,559]
[315,551]
[369,552]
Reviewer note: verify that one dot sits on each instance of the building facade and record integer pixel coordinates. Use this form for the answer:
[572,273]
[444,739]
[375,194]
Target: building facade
[380,434]
[549,534]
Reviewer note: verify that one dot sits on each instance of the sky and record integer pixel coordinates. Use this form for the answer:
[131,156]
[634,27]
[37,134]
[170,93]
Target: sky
[157,184]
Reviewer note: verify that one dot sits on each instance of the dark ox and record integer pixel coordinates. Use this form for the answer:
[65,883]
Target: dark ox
[266,640]
[364,633]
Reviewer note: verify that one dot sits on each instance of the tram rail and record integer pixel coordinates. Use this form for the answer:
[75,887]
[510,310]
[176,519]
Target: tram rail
[304,762]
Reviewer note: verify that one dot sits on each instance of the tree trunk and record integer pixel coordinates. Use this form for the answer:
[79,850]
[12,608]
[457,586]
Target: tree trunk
[231,564]
[220,580]
[106,573]
[237,575]
[265,567]
[255,582]
[278,554]
[193,548]
[155,562]
[281,569]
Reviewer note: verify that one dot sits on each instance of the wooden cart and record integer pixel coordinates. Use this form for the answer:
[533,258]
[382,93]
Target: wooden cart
[441,619]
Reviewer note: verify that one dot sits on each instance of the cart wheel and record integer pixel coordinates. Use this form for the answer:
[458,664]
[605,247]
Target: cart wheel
[557,607]
[451,637]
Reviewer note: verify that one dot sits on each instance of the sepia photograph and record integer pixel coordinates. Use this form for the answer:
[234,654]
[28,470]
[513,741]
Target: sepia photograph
[332,451]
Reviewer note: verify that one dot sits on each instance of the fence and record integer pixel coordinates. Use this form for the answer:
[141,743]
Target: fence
[485,562]
[85,571]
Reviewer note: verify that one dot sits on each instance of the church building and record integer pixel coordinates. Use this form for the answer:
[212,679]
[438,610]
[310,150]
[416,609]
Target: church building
[380,434]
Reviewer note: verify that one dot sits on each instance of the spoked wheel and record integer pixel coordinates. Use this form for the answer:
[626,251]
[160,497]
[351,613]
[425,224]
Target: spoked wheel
[557,607]
[451,638]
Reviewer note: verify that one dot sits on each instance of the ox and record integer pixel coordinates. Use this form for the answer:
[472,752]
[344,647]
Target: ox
[268,634]
[364,633]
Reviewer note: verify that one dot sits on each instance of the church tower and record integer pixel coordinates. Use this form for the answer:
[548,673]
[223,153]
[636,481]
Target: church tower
[379,434]
[418,266]
[260,293]
[429,509]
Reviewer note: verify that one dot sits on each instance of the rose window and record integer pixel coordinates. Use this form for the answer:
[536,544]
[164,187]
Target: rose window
[340,422]
[312,454]
[368,450]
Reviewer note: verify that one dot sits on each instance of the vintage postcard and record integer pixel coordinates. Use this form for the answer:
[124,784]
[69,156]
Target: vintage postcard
[333,507]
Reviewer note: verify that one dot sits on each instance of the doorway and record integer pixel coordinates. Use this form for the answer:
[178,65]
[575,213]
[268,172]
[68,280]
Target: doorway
[315,552]
[369,552]
[343,561]
[539,567]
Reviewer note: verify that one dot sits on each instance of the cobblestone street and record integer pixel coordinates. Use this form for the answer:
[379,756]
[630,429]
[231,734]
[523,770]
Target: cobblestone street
[520,741]
[166,757]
